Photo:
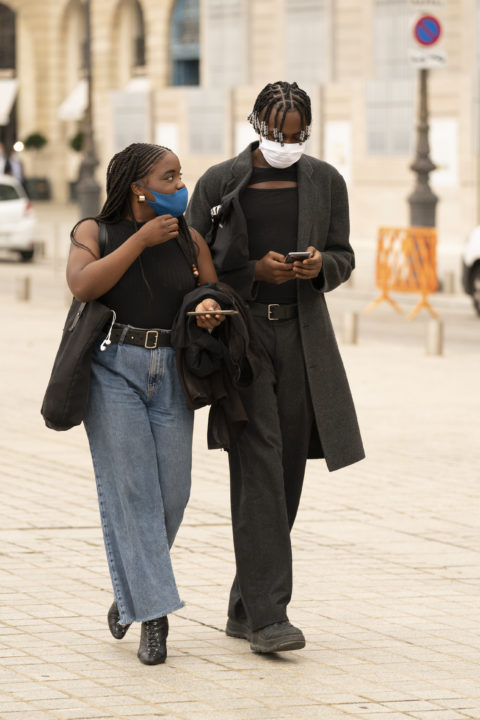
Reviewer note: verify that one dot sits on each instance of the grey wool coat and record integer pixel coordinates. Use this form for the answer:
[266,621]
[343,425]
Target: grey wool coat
[323,221]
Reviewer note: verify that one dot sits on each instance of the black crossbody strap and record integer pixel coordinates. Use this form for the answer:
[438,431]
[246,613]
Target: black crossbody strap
[102,237]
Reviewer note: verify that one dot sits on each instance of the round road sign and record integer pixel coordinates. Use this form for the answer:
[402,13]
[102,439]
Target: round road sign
[427,30]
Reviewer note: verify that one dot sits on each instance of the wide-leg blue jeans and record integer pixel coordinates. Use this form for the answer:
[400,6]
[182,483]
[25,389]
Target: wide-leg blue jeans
[140,435]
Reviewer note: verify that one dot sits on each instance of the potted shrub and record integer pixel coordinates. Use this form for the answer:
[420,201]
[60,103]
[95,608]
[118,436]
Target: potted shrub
[76,142]
[35,141]
[38,188]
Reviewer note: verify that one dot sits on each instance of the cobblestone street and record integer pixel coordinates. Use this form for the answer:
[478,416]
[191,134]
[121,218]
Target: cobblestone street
[386,553]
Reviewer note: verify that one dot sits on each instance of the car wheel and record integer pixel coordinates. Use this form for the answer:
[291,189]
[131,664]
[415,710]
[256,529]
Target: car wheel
[476,288]
[26,255]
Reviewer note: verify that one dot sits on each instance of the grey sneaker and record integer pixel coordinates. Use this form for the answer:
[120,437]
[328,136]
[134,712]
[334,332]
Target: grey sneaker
[277,638]
[237,629]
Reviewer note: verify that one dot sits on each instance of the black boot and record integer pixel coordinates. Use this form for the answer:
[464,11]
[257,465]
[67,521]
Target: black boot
[153,641]
[118,631]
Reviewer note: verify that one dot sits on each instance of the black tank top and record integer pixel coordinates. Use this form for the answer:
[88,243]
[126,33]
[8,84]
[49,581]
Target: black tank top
[169,278]
[272,222]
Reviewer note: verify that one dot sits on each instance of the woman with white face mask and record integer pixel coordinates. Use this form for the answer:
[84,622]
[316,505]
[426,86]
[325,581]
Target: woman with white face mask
[271,200]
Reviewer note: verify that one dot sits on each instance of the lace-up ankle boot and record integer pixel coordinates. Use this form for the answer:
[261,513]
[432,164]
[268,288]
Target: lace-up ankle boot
[118,631]
[153,641]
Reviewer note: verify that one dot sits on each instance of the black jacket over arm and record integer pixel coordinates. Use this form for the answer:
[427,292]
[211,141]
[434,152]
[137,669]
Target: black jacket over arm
[211,366]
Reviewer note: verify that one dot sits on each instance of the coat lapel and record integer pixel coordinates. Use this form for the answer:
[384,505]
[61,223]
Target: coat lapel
[306,203]
[240,173]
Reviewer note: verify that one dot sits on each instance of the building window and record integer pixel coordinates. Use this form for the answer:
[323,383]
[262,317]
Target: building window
[390,96]
[477,35]
[224,61]
[391,40]
[7,38]
[128,40]
[184,43]
[138,36]
[475,83]
[306,41]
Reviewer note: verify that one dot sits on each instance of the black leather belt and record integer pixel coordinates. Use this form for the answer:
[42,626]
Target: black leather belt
[150,339]
[274,311]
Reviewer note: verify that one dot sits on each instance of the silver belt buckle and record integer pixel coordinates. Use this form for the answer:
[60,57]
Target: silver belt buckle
[147,343]
[269,311]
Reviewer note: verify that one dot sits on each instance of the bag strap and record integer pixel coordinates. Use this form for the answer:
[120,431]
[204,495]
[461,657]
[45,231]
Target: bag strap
[102,237]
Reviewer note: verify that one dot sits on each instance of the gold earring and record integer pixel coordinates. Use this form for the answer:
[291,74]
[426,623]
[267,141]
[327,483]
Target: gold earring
[141,198]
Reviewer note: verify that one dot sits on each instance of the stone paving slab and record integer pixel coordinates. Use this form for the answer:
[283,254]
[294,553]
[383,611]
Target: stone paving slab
[386,559]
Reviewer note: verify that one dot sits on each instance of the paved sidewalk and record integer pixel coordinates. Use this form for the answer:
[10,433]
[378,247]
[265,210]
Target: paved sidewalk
[386,553]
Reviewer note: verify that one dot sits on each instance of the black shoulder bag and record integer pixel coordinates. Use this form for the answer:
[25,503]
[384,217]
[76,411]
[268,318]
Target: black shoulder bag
[66,396]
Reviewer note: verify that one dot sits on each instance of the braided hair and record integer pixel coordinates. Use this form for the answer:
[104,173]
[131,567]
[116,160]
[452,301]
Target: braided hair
[280,98]
[130,164]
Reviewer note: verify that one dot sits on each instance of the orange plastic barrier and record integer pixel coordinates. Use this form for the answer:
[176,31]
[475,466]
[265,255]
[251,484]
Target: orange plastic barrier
[406,262]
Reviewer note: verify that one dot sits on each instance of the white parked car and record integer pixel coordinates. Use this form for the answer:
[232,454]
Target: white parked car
[471,267]
[18,225]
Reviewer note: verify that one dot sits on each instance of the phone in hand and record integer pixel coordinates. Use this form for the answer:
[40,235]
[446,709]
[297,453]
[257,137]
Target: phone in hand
[293,256]
[199,313]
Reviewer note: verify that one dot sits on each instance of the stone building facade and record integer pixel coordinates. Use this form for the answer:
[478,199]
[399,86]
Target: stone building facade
[185,73]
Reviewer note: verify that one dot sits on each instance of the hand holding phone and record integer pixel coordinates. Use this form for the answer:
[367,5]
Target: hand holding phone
[291,257]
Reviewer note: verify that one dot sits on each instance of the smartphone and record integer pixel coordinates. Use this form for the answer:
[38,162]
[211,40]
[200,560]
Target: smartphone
[292,256]
[194,313]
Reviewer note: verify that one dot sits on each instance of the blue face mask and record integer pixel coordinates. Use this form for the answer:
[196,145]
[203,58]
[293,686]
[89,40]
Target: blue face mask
[168,203]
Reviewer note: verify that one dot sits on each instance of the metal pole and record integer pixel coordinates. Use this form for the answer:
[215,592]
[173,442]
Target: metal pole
[434,337]
[422,200]
[350,328]
[24,285]
[88,189]
[477,133]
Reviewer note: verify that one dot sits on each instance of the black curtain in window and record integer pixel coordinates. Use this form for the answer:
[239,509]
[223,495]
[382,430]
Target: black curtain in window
[7,38]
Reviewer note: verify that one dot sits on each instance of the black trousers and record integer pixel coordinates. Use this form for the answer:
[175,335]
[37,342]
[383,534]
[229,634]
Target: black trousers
[267,467]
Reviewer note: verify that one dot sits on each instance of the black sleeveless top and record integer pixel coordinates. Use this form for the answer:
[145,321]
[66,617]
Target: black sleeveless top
[150,300]
[272,222]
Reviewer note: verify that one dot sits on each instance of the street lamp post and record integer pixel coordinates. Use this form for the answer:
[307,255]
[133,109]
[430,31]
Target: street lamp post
[88,190]
[422,200]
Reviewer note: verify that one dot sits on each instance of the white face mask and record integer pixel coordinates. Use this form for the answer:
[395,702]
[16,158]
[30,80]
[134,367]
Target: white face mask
[278,155]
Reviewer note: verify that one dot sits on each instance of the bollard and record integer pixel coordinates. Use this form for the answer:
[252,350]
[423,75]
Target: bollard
[56,249]
[350,283]
[350,328]
[449,283]
[39,248]
[434,337]
[67,296]
[23,288]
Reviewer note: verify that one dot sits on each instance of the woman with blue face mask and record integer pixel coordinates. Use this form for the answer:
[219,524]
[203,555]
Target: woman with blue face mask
[138,257]
[271,200]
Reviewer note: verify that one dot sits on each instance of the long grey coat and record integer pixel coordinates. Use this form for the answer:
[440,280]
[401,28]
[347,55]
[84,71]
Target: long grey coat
[323,222]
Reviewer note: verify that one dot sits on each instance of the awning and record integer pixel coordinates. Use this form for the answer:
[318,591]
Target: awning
[74,106]
[138,84]
[8,90]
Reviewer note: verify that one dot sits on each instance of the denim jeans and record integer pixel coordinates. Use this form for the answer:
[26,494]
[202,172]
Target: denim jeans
[140,435]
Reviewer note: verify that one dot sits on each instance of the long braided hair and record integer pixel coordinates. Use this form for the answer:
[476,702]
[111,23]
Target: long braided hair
[130,164]
[280,97]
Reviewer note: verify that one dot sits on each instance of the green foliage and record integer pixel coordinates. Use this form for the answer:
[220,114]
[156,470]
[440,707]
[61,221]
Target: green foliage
[76,142]
[35,141]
